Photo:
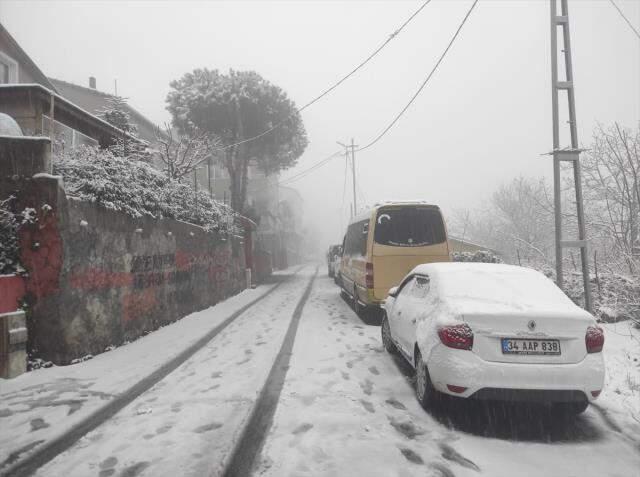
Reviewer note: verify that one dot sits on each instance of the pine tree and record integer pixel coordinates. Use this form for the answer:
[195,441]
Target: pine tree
[116,113]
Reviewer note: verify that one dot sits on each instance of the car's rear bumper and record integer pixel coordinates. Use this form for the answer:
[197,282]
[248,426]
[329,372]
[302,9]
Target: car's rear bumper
[515,382]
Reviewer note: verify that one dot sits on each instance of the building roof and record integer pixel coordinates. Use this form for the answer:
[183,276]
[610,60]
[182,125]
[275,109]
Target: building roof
[95,101]
[24,60]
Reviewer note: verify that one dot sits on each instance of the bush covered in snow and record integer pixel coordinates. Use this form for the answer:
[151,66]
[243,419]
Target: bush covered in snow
[8,239]
[615,297]
[483,256]
[139,190]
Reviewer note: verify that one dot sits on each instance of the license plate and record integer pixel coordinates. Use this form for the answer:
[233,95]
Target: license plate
[530,346]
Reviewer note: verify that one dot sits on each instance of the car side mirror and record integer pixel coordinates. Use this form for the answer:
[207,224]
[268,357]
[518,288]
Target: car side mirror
[393,292]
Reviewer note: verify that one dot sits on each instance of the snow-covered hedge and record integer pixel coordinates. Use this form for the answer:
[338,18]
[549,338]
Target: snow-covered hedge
[8,240]
[484,256]
[139,190]
[615,297]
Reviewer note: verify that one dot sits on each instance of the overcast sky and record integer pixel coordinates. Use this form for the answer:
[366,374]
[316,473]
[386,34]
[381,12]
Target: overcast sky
[483,119]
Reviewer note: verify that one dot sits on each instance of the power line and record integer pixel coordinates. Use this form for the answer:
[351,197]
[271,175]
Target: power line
[305,172]
[422,86]
[424,83]
[625,18]
[338,83]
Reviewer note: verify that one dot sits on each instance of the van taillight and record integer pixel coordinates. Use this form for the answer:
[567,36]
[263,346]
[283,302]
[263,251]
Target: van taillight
[369,275]
[594,339]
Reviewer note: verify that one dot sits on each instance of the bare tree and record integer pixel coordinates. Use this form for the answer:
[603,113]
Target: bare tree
[182,154]
[611,171]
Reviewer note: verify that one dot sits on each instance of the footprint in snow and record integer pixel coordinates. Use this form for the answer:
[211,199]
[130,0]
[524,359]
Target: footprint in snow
[411,456]
[442,470]
[135,469]
[374,370]
[406,428]
[164,429]
[38,423]
[345,376]
[453,455]
[217,374]
[396,404]
[207,427]
[367,387]
[367,405]
[108,463]
[302,428]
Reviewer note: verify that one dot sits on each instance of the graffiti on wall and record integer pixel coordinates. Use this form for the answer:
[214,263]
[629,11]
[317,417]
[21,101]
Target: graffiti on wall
[155,278]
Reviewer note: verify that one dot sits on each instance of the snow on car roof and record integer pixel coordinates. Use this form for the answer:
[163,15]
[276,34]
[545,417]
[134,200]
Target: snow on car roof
[489,287]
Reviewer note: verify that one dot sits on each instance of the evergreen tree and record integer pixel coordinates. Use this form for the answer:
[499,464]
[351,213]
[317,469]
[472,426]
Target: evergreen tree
[116,113]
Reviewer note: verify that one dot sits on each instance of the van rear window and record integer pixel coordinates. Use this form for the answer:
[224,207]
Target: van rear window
[409,227]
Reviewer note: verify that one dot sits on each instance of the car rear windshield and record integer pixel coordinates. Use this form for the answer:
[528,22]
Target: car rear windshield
[409,227]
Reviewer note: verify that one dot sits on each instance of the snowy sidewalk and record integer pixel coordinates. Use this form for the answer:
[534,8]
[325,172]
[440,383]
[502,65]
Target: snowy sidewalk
[44,404]
[620,399]
[188,423]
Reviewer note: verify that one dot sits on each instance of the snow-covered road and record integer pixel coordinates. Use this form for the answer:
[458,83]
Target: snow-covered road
[348,408]
[345,407]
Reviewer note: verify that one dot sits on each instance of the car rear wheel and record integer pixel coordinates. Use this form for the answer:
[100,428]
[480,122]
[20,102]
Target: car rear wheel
[425,392]
[385,331]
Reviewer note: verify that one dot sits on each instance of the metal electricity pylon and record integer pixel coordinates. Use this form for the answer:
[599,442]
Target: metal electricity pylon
[570,154]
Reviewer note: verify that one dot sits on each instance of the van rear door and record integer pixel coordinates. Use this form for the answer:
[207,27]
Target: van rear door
[405,236]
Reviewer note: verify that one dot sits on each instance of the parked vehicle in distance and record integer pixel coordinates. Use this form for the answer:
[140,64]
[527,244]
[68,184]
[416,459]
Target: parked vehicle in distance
[495,332]
[384,243]
[333,252]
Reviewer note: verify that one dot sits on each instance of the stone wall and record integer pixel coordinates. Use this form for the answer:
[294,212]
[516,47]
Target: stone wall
[97,277]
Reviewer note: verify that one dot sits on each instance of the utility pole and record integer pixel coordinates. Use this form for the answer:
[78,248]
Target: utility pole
[209,176]
[352,146]
[570,154]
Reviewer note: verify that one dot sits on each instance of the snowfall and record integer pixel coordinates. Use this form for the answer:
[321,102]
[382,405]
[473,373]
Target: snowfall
[347,406]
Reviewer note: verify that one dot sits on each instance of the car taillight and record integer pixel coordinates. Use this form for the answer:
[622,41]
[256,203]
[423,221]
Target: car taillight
[594,339]
[456,336]
[369,275]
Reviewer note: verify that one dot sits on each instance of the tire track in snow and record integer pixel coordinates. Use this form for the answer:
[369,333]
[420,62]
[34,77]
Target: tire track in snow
[50,450]
[255,432]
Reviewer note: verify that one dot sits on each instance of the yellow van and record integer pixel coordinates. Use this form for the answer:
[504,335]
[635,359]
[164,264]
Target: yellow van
[384,243]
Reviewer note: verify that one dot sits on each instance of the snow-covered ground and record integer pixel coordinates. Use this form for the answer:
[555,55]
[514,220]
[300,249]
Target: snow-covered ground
[41,405]
[188,423]
[348,408]
[620,399]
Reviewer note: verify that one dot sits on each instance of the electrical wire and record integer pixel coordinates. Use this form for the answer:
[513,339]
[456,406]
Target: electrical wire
[424,83]
[335,85]
[305,172]
[625,18]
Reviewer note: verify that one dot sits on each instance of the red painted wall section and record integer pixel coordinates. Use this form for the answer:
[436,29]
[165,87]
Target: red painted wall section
[41,255]
[12,290]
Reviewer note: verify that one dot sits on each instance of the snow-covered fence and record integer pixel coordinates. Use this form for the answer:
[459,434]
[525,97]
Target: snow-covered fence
[99,275]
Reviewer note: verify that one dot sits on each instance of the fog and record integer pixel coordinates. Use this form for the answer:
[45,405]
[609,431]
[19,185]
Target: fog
[484,118]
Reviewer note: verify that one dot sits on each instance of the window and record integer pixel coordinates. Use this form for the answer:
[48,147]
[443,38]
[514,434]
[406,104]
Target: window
[409,227]
[8,69]
[421,287]
[356,239]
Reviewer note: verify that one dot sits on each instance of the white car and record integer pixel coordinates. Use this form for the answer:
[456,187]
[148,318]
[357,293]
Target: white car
[496,332]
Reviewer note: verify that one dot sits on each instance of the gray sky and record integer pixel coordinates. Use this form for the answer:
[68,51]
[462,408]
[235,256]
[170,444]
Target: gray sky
[484,118]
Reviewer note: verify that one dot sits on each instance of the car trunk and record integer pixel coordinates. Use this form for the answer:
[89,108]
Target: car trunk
[490,329]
